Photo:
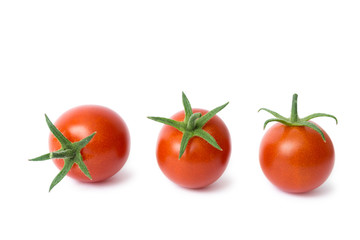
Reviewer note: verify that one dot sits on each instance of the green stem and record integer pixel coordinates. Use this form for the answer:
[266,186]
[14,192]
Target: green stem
[294,112]
[192,121]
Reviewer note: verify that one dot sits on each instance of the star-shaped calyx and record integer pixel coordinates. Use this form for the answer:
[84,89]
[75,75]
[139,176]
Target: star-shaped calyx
[69,151]
[192,125]
[294,119]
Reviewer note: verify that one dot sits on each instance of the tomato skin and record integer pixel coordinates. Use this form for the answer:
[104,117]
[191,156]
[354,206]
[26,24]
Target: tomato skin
[296,159]
[106,153]
[201,164]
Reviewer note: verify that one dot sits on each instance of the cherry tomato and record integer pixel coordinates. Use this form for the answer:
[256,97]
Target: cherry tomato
[296,155]
[201,163]
[296,159]
[88,143]
[106,153]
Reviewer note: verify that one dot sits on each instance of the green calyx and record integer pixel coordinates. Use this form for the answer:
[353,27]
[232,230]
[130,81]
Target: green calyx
[69,151]
[192,125]
[294,119]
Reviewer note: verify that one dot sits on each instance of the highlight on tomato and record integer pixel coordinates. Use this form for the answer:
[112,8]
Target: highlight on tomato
[194,146]
[89,143]
[296,154]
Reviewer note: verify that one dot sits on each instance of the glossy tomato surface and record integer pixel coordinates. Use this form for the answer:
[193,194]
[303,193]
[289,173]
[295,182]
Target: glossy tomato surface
[106,153]
[296,159]
[201,163]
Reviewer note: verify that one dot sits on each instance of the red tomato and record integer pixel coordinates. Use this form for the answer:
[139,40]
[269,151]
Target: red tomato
[106,153]
[201,164]
[296,155]
[296,159]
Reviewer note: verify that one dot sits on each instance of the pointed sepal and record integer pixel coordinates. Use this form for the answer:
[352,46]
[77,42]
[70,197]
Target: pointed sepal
[316,115]
[314,127]
[184,142]
[204,119]
[67,166]
[79,161]
[187,107]
[59,136]
[167,121]
[207,137]
[275,114]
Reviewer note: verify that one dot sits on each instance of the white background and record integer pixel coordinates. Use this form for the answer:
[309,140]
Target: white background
[136,57]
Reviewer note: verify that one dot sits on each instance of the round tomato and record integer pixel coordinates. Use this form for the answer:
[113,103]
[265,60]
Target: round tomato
[296,159]
[88,143]
[201,164]
[193,147]
[296,155]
